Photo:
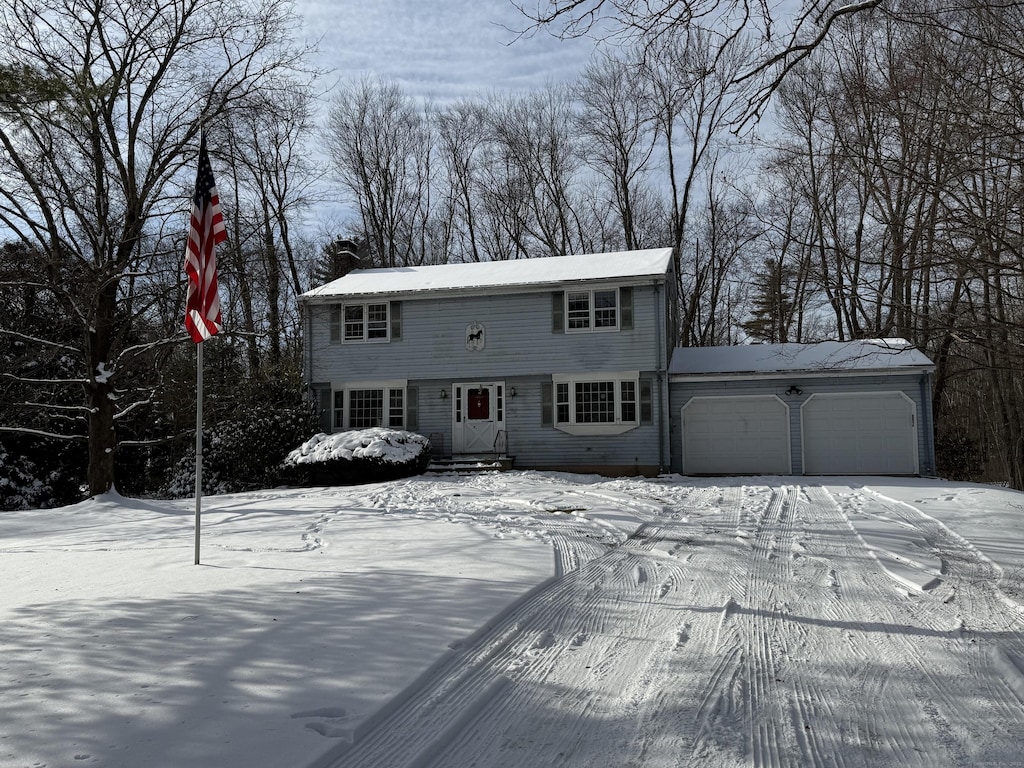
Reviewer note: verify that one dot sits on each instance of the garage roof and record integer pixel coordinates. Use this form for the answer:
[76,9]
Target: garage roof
[862,356]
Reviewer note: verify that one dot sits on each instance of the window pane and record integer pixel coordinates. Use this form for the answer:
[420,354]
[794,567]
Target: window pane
[595,402]
[628,400]
[354,322]
[605,306]
[478,404]
[562,403]
[396,413]
[377,321]
[579,310]
[366,408]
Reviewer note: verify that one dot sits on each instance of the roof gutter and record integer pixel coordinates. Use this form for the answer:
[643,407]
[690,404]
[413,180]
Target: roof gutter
[803,374]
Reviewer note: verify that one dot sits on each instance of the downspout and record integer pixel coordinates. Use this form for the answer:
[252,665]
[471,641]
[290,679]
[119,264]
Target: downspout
[661,371]
[929,427]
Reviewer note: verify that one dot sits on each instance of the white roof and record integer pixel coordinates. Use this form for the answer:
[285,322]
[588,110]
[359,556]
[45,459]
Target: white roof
[762,359]
[548,271]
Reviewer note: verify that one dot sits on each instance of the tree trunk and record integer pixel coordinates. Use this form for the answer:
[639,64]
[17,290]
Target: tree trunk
[99,391]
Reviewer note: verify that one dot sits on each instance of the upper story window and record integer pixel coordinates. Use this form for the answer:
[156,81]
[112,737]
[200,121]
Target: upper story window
[372,321]
[599,309]
[592,310]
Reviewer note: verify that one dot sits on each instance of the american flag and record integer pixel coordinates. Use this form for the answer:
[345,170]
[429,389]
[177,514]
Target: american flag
[202,305]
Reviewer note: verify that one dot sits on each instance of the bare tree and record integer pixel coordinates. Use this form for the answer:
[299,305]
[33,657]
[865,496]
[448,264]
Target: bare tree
[95,156]
[693,99]
[382,145]
[536,149]
[272,177]
[462,137]
[619,133]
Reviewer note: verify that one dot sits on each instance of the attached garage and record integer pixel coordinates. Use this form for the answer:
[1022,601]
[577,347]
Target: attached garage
[736,436]
[859,434]
[831,408]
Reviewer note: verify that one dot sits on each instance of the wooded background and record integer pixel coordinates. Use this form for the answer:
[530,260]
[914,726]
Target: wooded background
[864,179]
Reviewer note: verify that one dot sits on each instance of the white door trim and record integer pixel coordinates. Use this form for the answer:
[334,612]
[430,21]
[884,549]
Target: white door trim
[470,436]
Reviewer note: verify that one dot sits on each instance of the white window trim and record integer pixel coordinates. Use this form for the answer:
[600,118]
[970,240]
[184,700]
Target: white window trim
[617,427]
[340,308]
[591,327]
[386,386]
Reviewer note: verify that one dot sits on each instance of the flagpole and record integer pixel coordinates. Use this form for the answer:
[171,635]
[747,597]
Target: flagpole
[202,301]
[199,442]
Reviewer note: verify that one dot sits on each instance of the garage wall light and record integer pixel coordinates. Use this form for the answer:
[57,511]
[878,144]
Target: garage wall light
[794,390]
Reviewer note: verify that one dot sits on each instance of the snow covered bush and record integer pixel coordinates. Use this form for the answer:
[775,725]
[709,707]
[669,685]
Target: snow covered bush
[358,456]
[38,474]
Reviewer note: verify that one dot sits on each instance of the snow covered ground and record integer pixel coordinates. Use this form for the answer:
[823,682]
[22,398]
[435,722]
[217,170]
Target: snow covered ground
[520,619]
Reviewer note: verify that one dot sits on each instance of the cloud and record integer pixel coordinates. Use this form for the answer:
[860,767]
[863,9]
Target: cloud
[441,50]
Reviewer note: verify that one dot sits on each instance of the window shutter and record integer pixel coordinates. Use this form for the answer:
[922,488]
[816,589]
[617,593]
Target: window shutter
[335,322]
[412,408]
[646,402]
[396,320]
[558,312]
[322,402]
[626,308]
[547,418]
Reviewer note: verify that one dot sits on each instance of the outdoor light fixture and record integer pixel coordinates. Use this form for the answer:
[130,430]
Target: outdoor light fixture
[794,390]
[444,394]
[511,391]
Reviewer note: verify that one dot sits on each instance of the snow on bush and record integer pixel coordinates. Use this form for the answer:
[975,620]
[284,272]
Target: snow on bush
[367,455]
[392,445]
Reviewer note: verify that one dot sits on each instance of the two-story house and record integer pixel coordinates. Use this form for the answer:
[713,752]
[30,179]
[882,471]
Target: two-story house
[561,362]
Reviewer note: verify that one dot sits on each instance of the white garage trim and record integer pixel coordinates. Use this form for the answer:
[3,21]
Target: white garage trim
[859,433]
[735,435]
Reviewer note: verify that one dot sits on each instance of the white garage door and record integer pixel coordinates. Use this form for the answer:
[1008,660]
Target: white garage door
[855,434]
[736,436]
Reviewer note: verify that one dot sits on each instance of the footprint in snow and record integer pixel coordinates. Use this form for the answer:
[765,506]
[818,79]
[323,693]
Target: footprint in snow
[327,729]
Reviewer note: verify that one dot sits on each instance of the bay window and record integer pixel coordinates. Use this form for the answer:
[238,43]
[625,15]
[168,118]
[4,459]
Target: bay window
[597,404]
[370,405]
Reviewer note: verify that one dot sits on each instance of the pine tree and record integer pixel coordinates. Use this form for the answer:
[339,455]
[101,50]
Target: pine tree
[772,313]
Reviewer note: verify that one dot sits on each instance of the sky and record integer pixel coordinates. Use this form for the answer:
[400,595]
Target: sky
[438,52]
[519,619]
[441,50]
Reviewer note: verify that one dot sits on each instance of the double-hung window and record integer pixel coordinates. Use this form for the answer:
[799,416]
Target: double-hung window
[601,404]
[592,310]
[360,322]
[370,405]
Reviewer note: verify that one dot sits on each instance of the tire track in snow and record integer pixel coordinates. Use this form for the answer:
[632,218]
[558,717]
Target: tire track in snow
[589,649]
[944,672]
[764,616]
[822,663]
[744,692]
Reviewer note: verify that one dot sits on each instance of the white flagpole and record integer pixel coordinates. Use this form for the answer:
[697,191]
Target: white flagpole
[199,441]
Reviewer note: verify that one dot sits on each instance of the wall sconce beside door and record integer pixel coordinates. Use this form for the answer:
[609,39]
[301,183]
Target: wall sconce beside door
[444,394]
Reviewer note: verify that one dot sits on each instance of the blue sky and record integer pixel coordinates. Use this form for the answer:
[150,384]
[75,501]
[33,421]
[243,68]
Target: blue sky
[443,49]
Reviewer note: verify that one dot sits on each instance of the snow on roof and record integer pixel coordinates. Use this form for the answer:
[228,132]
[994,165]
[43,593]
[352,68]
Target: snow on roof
[862,355]
[552,270]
